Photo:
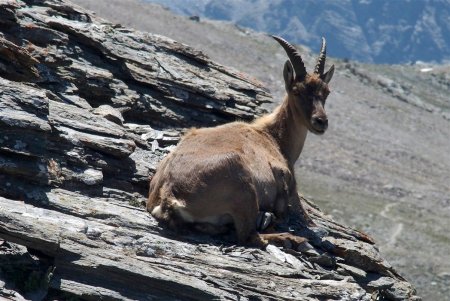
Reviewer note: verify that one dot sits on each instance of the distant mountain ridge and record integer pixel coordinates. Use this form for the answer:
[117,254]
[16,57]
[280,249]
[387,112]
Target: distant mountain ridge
[375,31]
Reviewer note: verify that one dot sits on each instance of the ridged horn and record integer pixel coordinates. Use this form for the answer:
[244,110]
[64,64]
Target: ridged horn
[294,57]
[320,66]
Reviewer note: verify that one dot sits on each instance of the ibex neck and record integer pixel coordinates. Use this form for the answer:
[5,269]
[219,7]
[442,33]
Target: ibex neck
[285,126]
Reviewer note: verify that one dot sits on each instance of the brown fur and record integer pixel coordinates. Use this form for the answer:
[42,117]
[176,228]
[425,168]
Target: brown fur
[228,174]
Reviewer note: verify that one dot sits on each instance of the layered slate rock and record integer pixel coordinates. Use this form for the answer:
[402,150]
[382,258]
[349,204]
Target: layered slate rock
[87,110]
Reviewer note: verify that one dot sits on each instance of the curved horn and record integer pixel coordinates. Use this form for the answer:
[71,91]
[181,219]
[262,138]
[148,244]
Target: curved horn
[320,66]
[294,57]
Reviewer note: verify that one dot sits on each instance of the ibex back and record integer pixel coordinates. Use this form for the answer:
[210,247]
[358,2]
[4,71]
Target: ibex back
[230,174]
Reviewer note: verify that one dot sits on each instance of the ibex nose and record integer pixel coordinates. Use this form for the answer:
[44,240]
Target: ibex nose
[321,121]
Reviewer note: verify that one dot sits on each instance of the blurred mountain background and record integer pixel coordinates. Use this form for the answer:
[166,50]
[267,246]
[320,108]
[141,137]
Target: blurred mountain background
[372,31]
[384,164]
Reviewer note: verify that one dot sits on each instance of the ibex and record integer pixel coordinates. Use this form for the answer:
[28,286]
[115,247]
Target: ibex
[230,174]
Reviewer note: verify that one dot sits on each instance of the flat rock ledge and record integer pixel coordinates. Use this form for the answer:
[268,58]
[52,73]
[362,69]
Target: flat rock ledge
[87,110]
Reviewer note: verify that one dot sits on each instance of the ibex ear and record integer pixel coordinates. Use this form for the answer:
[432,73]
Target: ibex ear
[326,77]
[288,74]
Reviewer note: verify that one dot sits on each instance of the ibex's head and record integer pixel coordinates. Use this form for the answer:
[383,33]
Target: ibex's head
[307,92]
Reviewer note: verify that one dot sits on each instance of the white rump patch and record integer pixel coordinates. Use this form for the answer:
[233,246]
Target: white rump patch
[156,212]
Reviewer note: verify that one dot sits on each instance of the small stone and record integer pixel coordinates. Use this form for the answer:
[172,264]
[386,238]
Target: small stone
[153,135]
[400,290]
[323,260]
[110,113]
[146,251]
[381,283]
[292,260]
[276,252]
[320,232]
[93,232]
[285,257]
[353,271]
[92,176]
[195,18]
[307,248]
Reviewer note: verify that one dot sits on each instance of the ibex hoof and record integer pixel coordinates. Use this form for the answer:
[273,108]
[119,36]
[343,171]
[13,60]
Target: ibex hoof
[264,220]
[306,247]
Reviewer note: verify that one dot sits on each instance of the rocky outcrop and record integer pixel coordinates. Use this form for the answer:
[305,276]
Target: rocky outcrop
[87,110]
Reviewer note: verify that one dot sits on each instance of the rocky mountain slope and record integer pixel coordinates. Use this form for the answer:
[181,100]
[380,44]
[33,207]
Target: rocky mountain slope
[87,109]
[379,31]
[385,156]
